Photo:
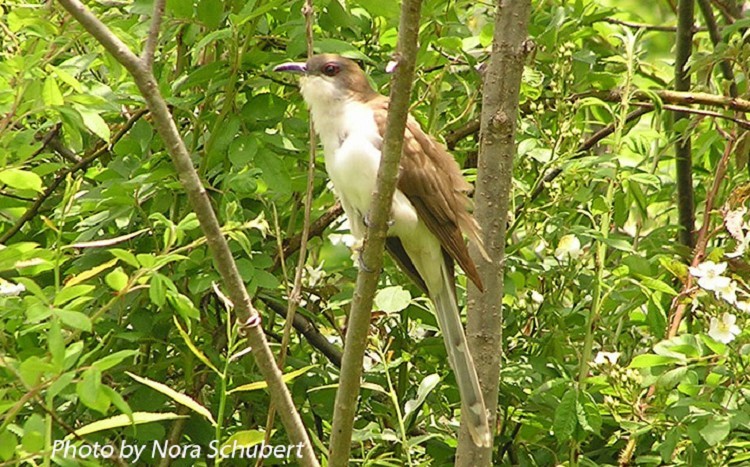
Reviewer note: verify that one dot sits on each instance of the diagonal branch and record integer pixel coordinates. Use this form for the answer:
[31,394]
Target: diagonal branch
[372,254]
[153,33]
[201,204]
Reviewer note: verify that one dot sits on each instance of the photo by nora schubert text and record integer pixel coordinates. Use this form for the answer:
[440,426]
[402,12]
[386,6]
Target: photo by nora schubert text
[162,449]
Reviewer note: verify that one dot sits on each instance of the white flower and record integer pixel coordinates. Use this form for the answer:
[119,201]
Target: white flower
[9,289]
[569,246]
[540,246]
[709,275]
[536,297]
[727,292]
[606,357]
[743,306]
[723,330]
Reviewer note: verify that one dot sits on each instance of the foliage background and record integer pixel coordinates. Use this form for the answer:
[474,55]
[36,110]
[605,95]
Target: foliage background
[117,279]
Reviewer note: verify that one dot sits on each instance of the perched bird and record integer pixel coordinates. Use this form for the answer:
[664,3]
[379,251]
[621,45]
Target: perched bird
[430,210]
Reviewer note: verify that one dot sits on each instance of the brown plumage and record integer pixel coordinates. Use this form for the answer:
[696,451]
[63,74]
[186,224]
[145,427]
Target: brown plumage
[432,181]
[430,208]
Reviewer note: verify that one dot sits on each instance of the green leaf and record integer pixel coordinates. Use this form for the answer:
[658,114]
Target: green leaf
[74,319]
[51,94]
[428,383]
[392,299]
[210,12]
[89,390]
[68,293]
[21,179]
[651,360]
[118,421]
[176,396]
[197,352]
[588,413]
[94,122]
[243,439]
[105,363]
[716,430]
[262,384]
[117,279]
[566,416]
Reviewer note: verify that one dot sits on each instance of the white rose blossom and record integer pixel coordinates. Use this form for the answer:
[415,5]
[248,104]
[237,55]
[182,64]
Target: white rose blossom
[568,247]
[724,330]
[9,289]
[606,357]
[709,275]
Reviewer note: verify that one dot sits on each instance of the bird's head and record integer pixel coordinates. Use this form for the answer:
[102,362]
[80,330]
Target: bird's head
[327,78]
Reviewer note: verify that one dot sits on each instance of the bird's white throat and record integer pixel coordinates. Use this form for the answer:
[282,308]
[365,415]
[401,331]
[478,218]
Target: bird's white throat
[351,145]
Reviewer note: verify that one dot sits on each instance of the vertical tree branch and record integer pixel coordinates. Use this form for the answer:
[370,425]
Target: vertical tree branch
[372,254]
[153,33]
[201,204]
[683,149]
[502,83]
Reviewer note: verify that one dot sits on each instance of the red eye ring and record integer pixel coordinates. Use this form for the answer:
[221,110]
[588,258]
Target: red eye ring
[331,69]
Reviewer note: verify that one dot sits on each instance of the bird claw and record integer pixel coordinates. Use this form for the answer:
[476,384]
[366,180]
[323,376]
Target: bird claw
[357,249]
[366,221]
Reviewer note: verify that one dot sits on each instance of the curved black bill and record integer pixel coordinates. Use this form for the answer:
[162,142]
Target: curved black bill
[294,67]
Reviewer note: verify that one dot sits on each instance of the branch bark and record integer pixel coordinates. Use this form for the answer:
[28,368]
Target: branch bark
[502,83]
[201,204]
[372,254]
[683,149]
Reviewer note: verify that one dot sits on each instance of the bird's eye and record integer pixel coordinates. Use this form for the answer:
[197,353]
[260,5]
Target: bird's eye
[331,69]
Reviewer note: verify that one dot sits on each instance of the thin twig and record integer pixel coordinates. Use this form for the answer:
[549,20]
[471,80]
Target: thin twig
[706,113]
[153,33]
[647,27]
[671,97]
[296,294]
[292,244]
[311,333]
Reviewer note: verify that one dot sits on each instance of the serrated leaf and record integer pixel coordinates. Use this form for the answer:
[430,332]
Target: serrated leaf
[176,396]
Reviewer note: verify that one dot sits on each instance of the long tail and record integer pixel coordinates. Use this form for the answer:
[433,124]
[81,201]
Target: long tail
[474,411]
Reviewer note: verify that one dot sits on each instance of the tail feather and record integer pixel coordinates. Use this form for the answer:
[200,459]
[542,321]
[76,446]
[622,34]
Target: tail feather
[459,357]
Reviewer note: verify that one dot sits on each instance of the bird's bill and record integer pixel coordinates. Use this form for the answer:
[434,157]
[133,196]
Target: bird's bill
[293,67]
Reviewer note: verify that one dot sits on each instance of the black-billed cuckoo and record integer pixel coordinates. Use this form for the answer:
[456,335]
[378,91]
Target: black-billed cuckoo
[429,214]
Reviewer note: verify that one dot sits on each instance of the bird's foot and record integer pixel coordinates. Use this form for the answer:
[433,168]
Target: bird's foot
[366,221]
[357,249]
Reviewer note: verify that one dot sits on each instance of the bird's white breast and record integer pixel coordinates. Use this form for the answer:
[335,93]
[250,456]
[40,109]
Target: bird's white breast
[351,142]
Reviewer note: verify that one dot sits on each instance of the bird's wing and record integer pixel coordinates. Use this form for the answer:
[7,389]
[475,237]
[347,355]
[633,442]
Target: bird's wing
[432,180]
